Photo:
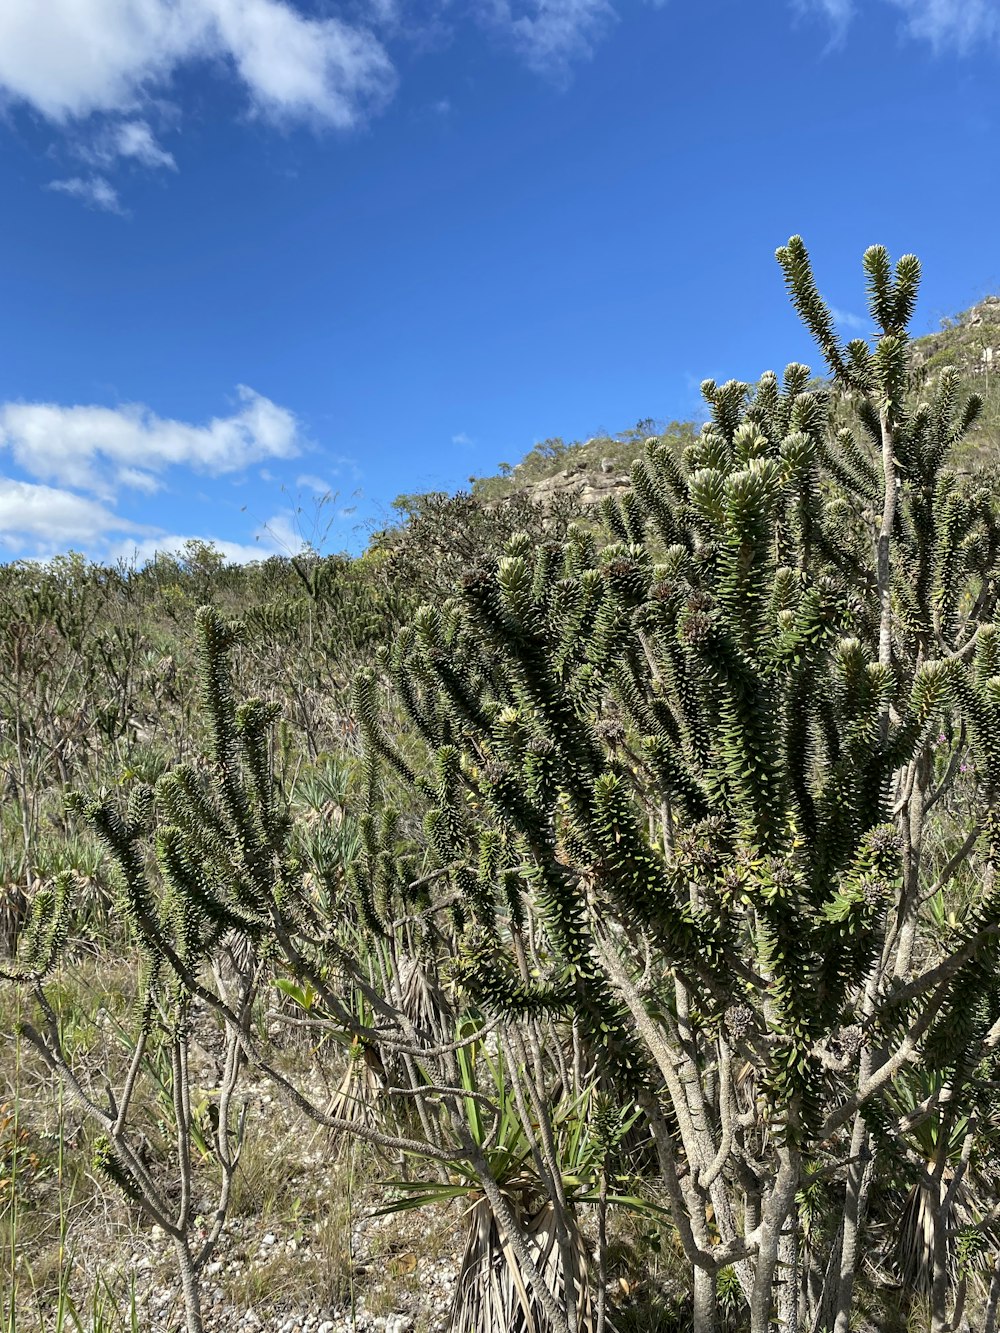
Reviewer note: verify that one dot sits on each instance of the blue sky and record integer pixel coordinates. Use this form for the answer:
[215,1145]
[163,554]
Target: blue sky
[251,250]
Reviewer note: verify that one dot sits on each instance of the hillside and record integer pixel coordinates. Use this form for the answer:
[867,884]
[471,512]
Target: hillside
[970,342]
[586,471]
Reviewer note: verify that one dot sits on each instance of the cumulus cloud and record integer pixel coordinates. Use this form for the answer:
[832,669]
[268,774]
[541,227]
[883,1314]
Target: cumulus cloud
[81,457]
[141,552]
[100,449]
[282,533]
[98,67]
[50,518]
[94,191]
[551,34]
[42,521]
[71,58]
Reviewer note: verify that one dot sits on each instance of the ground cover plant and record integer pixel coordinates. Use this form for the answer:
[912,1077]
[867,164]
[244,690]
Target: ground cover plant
[638,890]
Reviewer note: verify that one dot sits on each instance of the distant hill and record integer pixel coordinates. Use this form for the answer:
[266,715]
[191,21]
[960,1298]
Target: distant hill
[591,469]
[971,343]
[566,476]
[585,470]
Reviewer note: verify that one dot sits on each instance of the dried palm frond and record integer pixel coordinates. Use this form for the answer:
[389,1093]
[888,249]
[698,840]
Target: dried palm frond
[915,1241]
[425,1004]
[491,1291]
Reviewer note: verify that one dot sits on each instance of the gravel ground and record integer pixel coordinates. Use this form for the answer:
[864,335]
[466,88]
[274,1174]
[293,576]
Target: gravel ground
[420,1286]
[275,1266]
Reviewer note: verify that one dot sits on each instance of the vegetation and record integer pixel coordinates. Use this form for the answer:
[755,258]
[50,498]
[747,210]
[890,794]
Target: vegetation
[612,452]
[619,879]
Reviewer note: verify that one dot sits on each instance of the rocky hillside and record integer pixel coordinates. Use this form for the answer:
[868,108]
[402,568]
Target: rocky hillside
[971,343]
[588,470]
[585,471]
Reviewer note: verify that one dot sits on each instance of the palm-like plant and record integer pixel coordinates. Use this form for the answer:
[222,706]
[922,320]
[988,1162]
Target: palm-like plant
[947,1223]
[491,1292]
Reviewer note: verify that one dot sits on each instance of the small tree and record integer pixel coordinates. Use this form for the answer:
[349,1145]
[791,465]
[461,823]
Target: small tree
[702,762]
[211,885]
[198,915]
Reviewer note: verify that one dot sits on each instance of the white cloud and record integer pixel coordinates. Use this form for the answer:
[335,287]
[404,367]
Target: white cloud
[90,454]
[135,139]
[135,479]
[53,519]
[141,552]
[307,482]
[282,534]
[303,67]
[952,23]
[551,34]
[100,66]
[839,12]
[42,521]
[462,439]
[132,140]
[95,191]
[846,319]
[71,58]
[947,24]
[100,448]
